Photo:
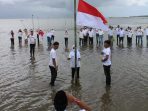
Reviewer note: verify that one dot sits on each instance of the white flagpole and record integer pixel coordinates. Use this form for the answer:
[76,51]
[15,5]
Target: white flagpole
[75,35]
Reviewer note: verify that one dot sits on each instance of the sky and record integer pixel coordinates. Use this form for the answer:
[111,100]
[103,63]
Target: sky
[10,9]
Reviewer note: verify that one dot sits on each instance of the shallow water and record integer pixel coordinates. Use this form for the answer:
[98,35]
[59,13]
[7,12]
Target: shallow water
[24,84]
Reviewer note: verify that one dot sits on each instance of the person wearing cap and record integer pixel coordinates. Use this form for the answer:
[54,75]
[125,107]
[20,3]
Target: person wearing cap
[63,99]
[32,41]
[72,62]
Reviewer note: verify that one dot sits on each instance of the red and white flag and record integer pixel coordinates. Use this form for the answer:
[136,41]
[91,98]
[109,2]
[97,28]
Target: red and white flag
[88,15]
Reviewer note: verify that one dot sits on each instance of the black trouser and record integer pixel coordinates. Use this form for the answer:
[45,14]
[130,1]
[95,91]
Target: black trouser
[20,40]
[107,74]
[118,39]
[12,41]
[53,74]
[38,39]
[85,40]
[121,39]
[52,38]
[136,39]
[110,37]
[147,39]
[90,40]
[74,72]
[32,50]
[97,38]
[81,41]
[129,40]
[66,42]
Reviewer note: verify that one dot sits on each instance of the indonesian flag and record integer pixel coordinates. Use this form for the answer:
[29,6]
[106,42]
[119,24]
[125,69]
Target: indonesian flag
[89,16]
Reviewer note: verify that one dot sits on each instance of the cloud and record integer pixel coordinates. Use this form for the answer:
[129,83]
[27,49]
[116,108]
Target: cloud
[64,8]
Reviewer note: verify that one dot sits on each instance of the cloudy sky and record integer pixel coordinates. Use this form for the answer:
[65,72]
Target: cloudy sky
[64,8]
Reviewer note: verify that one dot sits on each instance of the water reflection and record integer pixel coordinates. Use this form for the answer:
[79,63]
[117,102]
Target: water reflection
[106,100]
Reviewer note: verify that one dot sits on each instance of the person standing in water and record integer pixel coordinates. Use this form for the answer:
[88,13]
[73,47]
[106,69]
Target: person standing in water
[97,37]
[118,33]
[49,39]
[110,35]
[101,33]
[32,40]
[130,35]
[12,38]
[106,60]
[53,65]
[81,38]
[146,33]
[52,34]
[72,63]
[91,36]
[66,39]
[26,36]
[122,34]
[20,35]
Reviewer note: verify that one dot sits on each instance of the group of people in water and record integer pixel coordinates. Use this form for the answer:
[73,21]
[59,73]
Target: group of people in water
[86,36]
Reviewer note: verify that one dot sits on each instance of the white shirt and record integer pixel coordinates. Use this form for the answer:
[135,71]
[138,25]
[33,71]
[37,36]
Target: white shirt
[85,32]
[118,31]
[130,33]
[101,32]
[20,34]
[32,39]
[91,33]
[72,58]
[81,35]
[146,31]
[52,32]
[107,51]
[49,34]
[53,55]
[110,32]
[139,32]
[122,33]
[66,34]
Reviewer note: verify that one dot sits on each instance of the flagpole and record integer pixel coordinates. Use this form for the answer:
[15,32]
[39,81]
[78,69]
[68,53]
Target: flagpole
[75,35]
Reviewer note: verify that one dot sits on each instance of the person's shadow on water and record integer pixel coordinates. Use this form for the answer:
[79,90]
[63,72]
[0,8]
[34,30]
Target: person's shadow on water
[106,100]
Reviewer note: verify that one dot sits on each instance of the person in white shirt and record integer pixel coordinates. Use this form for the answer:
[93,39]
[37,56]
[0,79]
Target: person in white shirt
[62,99]
[146,33]
[49,38]
[101,33]
[20,35]
[97,37]
[53,65]
[129,35]
[140,35]
[72,62]
[66,39]
[122,34]
[110,35]
[26,36]
[52,34]
[85,34]
[32,41]
[91,35]
[106,60]
[81,38]
[118,33]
